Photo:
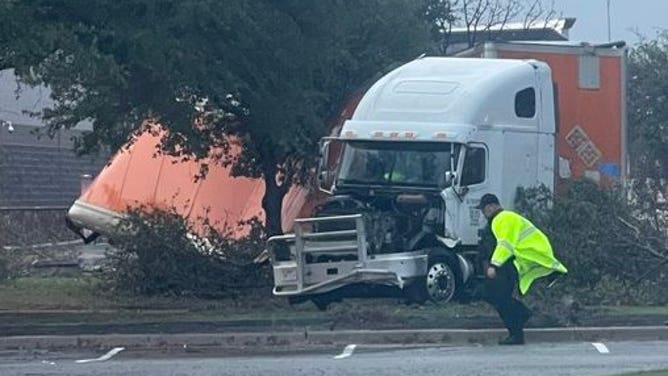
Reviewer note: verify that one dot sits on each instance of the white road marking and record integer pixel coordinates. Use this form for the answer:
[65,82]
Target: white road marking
[48,362]
[104,357]
[348,351]
[601,347]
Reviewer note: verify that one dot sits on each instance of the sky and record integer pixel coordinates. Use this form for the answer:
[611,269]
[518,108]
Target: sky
[645,16]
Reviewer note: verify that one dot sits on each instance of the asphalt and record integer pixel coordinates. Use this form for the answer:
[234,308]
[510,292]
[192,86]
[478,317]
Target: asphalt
[545,359]
[280,341]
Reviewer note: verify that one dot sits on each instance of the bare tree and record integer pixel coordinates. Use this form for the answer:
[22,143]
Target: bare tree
[482,16]
[499,14]
[474,11]
[536,10]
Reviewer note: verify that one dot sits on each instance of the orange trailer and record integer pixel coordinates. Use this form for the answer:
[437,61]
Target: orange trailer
[136,176]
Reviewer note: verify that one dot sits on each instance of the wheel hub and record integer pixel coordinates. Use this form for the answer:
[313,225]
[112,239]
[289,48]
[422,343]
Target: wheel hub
[440,282]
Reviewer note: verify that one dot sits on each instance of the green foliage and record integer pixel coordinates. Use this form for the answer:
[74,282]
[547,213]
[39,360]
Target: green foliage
[648,108]
[271,73]
[158,253]
[613,253]
[648,133]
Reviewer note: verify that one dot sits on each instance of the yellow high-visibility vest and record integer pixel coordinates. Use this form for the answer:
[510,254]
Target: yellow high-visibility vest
[517,237]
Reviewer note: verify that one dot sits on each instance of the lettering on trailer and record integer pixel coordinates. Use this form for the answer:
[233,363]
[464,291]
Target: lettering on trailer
[578,139]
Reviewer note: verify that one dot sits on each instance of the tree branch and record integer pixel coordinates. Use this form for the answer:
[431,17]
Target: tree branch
[530,17]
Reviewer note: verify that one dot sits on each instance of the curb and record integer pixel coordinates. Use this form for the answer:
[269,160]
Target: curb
[280,340]
[158,327]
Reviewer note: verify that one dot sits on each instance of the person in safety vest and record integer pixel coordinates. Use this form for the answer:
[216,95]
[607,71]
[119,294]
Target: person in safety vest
[522,254]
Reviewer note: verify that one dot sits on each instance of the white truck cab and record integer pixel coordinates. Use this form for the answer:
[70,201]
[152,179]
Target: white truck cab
[406,172]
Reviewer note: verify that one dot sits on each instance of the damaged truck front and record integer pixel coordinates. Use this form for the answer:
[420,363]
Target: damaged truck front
[405,174]
[382,227]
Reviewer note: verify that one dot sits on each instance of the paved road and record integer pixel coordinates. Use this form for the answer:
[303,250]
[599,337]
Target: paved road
[581,359]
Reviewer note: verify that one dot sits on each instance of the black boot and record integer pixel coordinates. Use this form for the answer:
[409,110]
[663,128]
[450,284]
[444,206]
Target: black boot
[513,339]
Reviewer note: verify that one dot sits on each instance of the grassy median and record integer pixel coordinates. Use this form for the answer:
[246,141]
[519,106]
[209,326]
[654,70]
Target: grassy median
[27,302]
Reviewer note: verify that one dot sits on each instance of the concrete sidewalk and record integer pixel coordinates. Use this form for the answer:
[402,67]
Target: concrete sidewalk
[280,341]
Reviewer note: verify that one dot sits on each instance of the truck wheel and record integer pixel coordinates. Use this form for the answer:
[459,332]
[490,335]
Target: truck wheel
[440,285]
[441,281]
[415,293]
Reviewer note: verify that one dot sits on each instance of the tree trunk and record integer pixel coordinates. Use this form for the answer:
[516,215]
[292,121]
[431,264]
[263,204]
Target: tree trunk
[272,202]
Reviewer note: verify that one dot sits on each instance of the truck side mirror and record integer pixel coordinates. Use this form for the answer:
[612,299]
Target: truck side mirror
[330,150]
[323,174]
[324,181]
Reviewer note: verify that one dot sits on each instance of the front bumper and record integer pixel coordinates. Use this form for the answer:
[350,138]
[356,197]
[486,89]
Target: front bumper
[372,276]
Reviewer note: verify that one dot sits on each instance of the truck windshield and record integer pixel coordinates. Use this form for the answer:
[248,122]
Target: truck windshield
[395,163]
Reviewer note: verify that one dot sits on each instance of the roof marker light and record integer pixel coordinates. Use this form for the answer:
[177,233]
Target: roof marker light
[410,134]
[350,134]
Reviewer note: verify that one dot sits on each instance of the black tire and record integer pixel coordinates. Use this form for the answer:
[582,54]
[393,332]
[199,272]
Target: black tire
[415,293]
[322,302]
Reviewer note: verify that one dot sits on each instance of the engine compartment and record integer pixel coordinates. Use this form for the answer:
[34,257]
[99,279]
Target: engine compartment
[394,222]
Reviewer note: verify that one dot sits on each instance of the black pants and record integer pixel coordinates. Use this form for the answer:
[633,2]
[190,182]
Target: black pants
[499,293]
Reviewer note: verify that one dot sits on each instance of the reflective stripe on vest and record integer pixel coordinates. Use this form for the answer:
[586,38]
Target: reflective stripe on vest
[526,233]
[506,244]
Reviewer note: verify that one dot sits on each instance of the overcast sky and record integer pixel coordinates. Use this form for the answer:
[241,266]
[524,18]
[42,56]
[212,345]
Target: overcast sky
[645,16]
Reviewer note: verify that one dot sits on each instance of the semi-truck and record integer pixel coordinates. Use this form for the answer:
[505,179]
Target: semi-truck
[405,173]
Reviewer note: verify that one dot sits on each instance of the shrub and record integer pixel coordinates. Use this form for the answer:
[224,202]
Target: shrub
[613,253]
[157,252]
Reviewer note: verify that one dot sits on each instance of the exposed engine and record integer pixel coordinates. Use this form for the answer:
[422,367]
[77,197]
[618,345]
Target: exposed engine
[393,222]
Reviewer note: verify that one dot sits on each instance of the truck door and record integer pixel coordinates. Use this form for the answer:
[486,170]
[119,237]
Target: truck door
[472,185]
[463,219]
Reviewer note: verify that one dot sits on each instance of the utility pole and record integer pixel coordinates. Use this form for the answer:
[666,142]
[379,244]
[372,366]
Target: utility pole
[608,11]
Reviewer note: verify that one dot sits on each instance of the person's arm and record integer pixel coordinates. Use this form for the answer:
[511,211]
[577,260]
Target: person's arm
[485,248]
[506,238]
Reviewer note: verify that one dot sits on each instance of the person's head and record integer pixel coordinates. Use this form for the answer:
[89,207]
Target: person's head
[489,204]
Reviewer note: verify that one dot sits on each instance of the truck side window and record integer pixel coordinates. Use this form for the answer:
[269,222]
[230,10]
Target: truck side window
[525,103]
[474,166]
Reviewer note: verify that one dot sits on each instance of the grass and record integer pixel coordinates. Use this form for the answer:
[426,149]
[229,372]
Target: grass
[57,293]
[34,300]
[89,293]
[84,299]
[635,310]
[651,373]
